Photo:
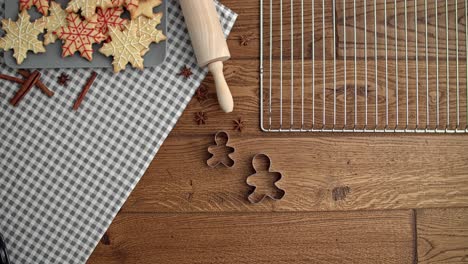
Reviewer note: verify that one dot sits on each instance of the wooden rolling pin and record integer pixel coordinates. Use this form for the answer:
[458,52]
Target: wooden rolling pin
[209,44]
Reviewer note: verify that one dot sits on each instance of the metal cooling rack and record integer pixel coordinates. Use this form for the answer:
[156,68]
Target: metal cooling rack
[364,66]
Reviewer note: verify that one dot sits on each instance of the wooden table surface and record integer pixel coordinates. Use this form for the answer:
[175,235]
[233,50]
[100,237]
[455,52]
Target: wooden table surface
[349,198]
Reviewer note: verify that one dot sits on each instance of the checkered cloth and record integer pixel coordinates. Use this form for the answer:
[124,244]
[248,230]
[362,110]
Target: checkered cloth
[64,175]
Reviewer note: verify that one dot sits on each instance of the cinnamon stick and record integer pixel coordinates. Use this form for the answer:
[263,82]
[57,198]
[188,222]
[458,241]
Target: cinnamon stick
[11,78]
[26,87]
[39,84]
[85,90]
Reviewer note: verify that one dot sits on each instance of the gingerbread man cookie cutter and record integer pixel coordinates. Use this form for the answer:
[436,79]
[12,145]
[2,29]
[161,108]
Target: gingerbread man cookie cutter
[262,166]
[221,152]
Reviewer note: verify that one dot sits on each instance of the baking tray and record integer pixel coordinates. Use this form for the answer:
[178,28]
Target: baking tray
[52,58]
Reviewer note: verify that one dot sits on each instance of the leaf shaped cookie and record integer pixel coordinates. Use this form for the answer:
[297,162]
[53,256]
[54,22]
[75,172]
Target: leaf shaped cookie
[21,36]
[126,47]
[56,20]
[79,36]
[110,17]
[41,5]
[146,27]
[87,7]
[145,8]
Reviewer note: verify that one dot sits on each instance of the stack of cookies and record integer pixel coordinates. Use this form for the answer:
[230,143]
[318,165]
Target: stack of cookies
[84,23]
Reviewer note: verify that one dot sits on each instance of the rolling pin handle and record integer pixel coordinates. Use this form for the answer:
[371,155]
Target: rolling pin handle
[222,89]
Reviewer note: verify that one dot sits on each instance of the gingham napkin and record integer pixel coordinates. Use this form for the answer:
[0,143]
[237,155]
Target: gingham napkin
[64,175]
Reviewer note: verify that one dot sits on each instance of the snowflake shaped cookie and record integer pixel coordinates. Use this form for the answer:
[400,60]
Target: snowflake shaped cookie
[146,27]
[126,47]
[79,36]
[56,20]
[87,7]
[41,5]
[21,36]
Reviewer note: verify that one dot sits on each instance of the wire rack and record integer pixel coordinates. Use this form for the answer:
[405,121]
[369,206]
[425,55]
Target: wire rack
[364,66]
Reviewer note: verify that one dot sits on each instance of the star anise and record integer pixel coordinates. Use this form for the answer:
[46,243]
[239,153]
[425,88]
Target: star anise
[186,72]
[63,79]
[245,39]
[239,124]
[200,118]
[201,94]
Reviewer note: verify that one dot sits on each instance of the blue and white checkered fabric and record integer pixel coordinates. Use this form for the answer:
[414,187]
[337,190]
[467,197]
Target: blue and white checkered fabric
[64,175]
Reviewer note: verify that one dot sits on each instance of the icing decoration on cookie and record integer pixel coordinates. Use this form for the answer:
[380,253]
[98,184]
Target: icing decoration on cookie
[79,36]
[145,8]
[41,5]
[22,36]
[56,20]
[126,47]
[87,7]
[110,17]
[146,27]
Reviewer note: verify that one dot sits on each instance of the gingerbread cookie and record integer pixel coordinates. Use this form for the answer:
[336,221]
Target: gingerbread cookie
[56,20]
[22,36]
[110,17]
[79,36]
[41,5]
[145,8]
[87,7]
[146,27]
[126,47]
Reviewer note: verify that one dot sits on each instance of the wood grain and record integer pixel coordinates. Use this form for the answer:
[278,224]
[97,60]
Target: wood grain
[400,33]
[243,77]
[380,171]
[390,82]
[322,172]
[357,237]
[442,235]
[247,24]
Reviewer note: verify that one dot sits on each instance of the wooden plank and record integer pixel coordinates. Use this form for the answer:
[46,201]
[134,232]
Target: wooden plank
[400,34]
[311,29]
[243,77]
[355,100]
[247,24]
[357,237]
[380,172]
[442,235]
